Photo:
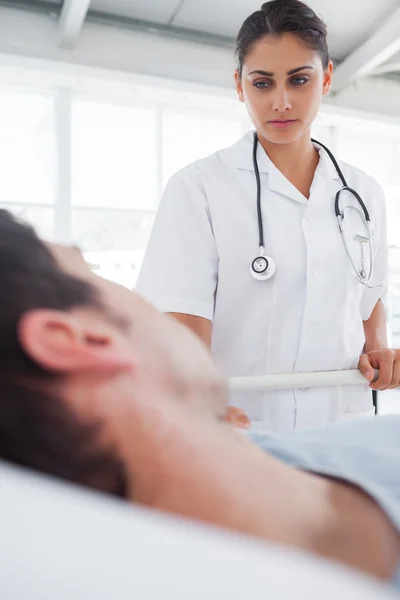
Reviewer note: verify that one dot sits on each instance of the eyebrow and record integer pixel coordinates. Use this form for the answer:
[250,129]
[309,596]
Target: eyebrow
[291,72]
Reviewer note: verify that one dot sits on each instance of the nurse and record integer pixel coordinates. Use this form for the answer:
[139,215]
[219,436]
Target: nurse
[313,311]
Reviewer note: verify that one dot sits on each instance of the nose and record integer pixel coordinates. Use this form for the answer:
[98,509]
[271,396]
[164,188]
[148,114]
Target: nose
[281,101]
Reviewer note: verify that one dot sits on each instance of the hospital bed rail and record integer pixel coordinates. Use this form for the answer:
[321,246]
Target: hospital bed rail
[316,379]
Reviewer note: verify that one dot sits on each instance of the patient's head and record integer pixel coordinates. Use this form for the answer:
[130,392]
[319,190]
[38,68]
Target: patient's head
[79,356]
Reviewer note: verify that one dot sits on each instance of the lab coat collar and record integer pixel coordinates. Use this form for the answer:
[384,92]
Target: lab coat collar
[326,179]
[326,164]
[241,154]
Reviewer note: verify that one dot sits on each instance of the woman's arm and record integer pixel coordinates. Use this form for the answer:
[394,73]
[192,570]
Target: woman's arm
[376,353]
[375,329]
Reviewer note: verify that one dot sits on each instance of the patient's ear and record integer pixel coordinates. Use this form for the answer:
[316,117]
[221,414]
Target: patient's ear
[80,340]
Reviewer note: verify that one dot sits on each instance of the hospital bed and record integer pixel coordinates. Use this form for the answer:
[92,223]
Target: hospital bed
[60,542]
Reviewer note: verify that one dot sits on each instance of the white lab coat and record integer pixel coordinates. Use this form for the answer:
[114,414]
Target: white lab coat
[308,317]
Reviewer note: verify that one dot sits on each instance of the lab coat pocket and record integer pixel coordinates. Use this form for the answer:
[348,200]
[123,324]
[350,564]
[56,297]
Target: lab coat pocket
[353,416]
[356,400]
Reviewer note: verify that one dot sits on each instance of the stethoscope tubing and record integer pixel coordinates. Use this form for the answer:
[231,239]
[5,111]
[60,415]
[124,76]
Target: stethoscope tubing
[340,215]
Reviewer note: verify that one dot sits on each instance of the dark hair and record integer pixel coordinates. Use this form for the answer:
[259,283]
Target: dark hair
[278,17]
[37,427]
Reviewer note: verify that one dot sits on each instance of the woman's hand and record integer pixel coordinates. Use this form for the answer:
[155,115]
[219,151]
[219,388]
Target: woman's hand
[387,360]
[237,417]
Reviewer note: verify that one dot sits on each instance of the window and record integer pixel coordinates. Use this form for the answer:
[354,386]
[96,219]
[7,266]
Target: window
[113,241]
[187,137]
[121,156]
[118,170]
[114,185]
[27,157]
[114,156]
[40,217]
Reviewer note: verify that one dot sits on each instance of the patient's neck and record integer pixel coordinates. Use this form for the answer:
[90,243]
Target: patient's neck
[196,467]
[201,469]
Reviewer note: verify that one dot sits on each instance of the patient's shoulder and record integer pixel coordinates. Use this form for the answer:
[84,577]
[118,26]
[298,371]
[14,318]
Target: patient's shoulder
[378,438]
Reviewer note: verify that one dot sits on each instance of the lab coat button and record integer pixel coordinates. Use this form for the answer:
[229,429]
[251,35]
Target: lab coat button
[316,271]
[313,331]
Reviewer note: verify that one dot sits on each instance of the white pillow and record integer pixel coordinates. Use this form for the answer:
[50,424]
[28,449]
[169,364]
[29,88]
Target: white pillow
[58,542]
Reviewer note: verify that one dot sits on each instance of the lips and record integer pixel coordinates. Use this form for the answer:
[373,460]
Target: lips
[282,123]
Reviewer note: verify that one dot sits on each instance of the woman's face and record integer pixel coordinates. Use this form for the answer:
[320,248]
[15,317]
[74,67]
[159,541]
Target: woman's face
[282,83]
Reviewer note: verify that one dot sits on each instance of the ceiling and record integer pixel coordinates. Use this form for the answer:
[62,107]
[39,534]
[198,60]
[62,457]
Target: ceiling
[364,38]
[348,24]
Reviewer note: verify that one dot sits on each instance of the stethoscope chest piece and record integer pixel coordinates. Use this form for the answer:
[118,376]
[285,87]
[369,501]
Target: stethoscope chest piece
[263,267]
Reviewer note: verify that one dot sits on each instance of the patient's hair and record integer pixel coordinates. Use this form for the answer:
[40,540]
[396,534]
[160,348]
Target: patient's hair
[37,428]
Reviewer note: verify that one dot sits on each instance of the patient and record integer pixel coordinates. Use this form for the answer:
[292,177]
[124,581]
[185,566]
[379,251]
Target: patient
[98,388]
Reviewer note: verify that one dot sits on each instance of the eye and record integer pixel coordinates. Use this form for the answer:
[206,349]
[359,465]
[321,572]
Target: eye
[299,80]
[261,85]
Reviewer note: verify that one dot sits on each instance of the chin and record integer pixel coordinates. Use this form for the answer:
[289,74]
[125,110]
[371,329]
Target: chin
[281,139]
[283,136]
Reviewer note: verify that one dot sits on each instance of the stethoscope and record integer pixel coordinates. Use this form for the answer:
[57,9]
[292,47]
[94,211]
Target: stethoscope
[263,267]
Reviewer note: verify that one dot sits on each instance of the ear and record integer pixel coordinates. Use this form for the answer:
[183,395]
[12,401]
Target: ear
[238,85]
[78,341]
[326,87]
